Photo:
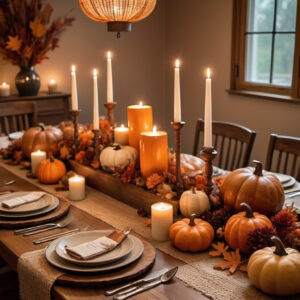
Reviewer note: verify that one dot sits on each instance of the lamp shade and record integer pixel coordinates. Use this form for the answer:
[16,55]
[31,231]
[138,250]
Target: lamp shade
[118,14]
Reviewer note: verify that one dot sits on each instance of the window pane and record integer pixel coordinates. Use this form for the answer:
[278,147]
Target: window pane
[283,59]
[258,58]
[260,15]
[286,15]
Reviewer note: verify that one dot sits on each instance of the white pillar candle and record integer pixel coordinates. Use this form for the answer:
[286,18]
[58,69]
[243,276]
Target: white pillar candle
[96,101]
[208,113]
[161,219]
[36,158]
[110,95]
[177,98]
[74,89]
[52,86]
[121,135]
[4,90]
[77,187]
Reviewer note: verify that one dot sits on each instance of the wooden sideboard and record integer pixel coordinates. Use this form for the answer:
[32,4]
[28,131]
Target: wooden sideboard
[51,108]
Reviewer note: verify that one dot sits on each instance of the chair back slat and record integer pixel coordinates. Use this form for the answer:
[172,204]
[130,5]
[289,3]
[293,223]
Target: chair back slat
[17,116]
[233,142]
[283,155]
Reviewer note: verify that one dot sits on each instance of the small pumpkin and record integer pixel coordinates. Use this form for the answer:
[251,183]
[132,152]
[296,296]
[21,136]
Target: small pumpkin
[67,127]
[241,224]
[193,202]
[275,270]
[264,193]
[50,171]
[44,138]
[188,163]
[191,234]
[116,157]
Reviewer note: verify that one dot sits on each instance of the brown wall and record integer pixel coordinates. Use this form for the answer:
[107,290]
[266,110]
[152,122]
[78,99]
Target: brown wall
[137,61]
[199,32]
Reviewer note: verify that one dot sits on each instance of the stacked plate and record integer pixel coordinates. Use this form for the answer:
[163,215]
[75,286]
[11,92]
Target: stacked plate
[126,253]
[44,205]
[287,181]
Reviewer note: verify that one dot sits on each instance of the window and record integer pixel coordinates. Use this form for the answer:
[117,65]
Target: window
[266,47]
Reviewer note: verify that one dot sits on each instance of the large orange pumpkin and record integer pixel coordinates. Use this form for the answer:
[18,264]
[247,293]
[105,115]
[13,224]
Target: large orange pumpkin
[191,234]
[241,224]
[44,138]
[264,193]
[50,170]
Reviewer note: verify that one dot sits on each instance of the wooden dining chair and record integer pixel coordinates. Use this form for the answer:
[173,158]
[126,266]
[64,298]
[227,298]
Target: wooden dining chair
[283,155]
[233,142]
[17,116]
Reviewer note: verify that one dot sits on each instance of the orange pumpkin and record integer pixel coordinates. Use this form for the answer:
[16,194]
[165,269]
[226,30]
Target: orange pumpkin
[191,234]
[50,171]
[67,127]
[264,193]
[188,163]
[241,224]
[44,138]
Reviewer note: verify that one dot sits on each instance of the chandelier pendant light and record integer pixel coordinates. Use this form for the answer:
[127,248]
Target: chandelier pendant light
[118,14]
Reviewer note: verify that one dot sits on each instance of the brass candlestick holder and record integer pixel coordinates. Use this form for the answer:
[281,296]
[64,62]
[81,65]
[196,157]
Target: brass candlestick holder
[208,154]
[110,112]
[177,128]
[75,114]
[96,144]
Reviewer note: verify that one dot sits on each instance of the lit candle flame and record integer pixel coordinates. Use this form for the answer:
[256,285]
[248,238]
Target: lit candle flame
[141,103]
[177,63]
[154,129]
[108,55]
[95,72]
[208,73]
[122,126]
[4,84]
[73,68]
[52,81]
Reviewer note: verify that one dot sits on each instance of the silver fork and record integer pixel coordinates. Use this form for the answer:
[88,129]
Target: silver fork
[7,182]
[61,224]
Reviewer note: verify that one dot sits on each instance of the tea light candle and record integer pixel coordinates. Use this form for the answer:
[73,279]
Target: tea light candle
[153,152]
[76,187]
[4,90]
[52,86]
[161,219]
[36,158]
[121,135]
[140,119]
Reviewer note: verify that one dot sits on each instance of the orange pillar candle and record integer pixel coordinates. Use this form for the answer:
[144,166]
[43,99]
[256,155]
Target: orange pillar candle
[153,152]
[140,119]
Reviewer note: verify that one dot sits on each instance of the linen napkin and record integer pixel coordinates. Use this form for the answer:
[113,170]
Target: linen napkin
[17,201]
[96,247]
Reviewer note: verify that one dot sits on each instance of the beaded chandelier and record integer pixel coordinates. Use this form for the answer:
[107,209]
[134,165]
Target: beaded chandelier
[118,14]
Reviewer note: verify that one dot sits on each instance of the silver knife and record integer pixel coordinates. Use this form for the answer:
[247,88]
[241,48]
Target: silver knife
[54,236]
[292,195]
[129,286]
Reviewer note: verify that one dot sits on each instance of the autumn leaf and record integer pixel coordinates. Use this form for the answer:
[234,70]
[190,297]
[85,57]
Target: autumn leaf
[38,29]
[64,152]
[14,43]
[147,223]
[220,249]
[28,52]
[79,157]
[46,13]
[232,260]
[244,268]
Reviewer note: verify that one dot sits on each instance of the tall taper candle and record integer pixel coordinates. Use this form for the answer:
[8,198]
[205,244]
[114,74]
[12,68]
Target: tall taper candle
[207,113]
[74,89]
[96,101]
[177,99]
[110,95]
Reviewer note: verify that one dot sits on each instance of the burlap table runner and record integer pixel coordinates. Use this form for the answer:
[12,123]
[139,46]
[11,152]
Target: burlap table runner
[36,276]
[198,272]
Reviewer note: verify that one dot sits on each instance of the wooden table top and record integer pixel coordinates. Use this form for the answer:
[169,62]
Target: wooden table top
[13,246]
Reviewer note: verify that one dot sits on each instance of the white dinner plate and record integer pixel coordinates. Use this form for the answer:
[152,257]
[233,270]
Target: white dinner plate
[289,184]
[86,236]
[283,178]
[55,260]
[15,135]
[53,205]
[39,204]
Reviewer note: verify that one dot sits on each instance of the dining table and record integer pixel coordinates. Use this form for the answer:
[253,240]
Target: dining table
[196,278]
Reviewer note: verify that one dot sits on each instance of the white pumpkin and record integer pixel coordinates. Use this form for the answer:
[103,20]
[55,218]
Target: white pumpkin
[193,202]
[275,270]
[117,157]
